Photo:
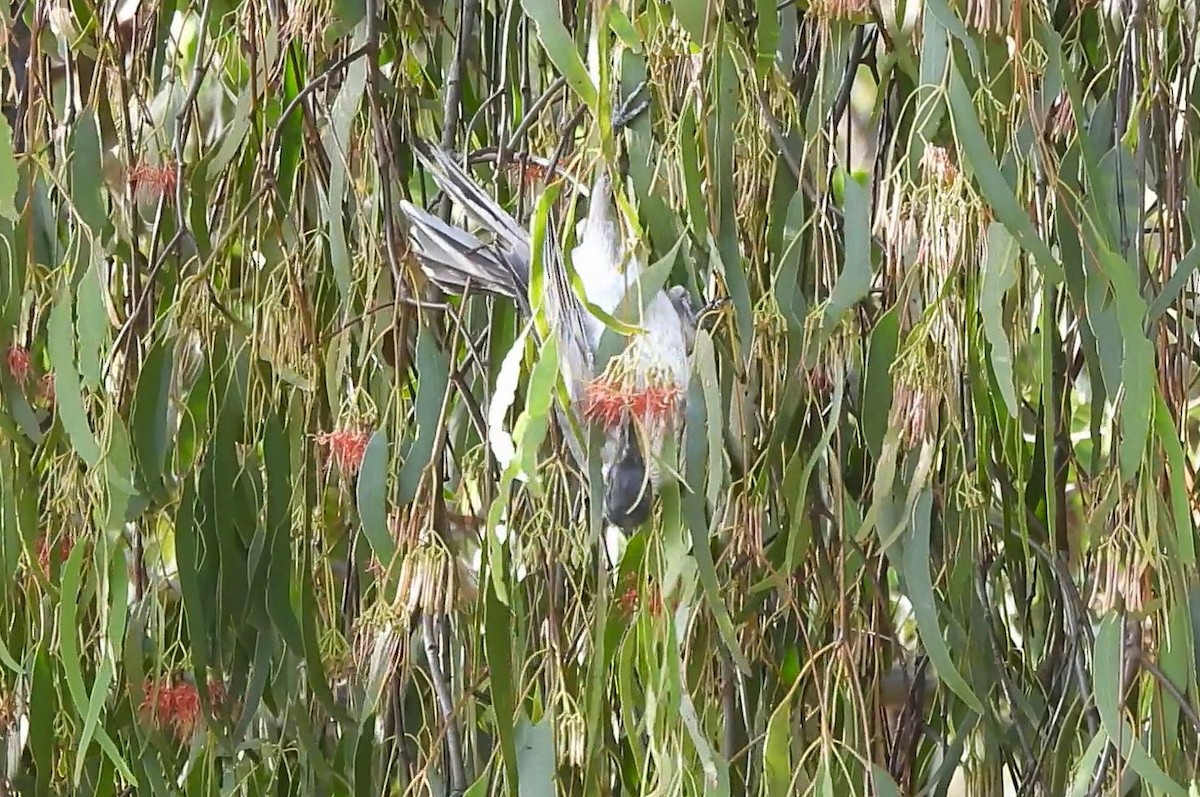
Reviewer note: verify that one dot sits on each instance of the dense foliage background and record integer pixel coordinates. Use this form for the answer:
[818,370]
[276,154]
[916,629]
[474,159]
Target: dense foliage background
[935,527]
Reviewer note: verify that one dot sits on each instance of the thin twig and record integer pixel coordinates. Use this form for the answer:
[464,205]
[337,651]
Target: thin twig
[310,87]
[1179,697]
[534,110]
[452,106]
[441,690]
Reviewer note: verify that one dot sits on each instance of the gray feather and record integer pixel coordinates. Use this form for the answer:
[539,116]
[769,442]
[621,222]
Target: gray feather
[453,258]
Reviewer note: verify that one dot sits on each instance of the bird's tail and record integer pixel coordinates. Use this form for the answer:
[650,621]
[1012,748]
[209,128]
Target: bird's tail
[451,257]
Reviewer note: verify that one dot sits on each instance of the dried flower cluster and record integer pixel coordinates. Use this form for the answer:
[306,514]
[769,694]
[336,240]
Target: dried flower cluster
[988,16]
[853,11]
[571,737]
[428,580]
[914,409]
[1061,120]
[938,167]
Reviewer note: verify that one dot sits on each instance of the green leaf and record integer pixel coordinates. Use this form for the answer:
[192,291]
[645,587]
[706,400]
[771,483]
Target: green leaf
[61,345]
[1181,513]
[533,423]
[234,135]
[854,281]
[715,769]
[87,179]
[193,583]
[372,498]
[337,147]
[151,437]
[535,757]
[561,48]
[43,712]
[940,10]
[999,275]
[977,154]
[704,362]
[9,180]
[884,785]
[1137,364]
[434,372]
[1085,767]
[498,643]
[277,451]
[696,459]
[767,35]
[877,385]
[504,395]
[693,17]
[725,249]
[778,770]
[917,558]
[693,178]
[92,324]
[72,579]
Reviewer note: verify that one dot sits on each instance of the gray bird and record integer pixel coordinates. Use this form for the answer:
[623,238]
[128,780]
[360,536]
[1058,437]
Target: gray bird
[639,396]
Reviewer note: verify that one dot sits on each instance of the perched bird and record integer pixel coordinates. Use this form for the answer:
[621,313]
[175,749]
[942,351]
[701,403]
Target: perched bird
[638,397]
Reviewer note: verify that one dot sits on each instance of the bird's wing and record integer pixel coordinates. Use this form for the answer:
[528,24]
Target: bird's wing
[452,257]
[565,315]
[476,202]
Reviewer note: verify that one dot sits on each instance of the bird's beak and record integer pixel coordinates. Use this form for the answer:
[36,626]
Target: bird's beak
[709,312]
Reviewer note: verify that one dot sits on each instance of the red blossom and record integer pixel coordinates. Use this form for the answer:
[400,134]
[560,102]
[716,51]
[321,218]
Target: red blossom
[629,600]
[150,182]
[347,447]
[656,401]
[529,172]
[65,544]
[633,596]
[604,403]
[607,401]
[19,362]
[176,708]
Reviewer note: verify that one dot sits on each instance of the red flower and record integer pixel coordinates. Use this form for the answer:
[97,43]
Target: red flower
[65,544]
[151,182]
[347,447]
[18,361]
[531,172]
[606,401]
[629,600]
[656,401]
[176,708]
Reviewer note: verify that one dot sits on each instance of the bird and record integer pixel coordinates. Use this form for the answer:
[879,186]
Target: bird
[639,397]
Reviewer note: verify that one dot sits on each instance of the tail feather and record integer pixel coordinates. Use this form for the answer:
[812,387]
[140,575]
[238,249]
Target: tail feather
[452,258]
[465,192]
